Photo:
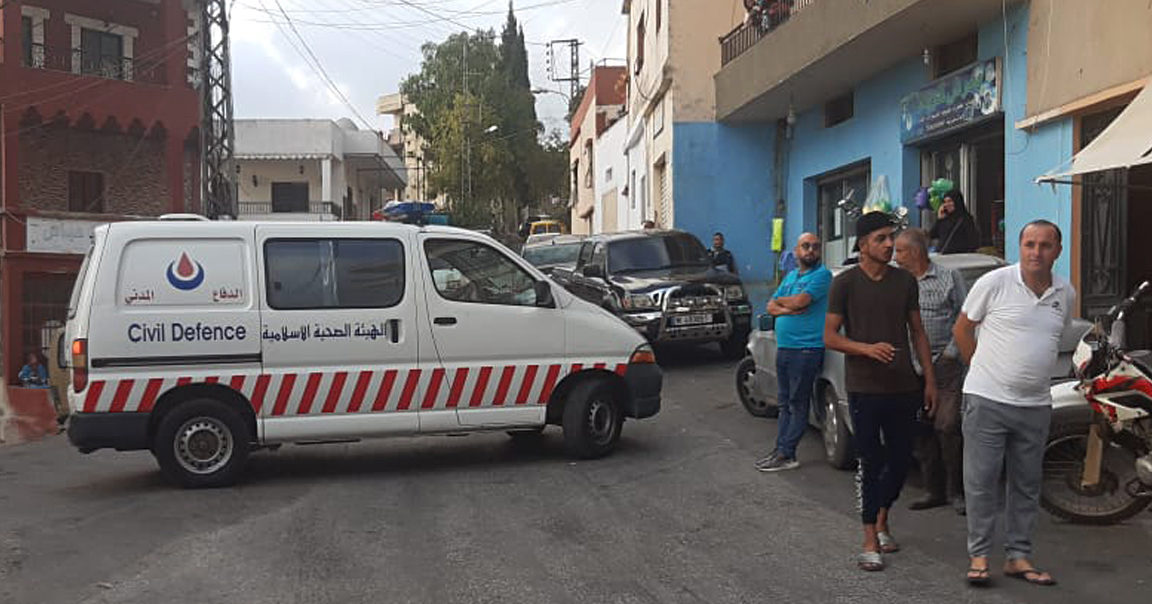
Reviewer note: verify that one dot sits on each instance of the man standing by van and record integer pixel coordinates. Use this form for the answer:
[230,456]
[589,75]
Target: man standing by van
[799,306]
[1023,308]
[879,308]
[942,294]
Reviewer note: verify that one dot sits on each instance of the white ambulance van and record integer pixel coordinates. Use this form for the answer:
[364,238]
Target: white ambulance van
[202,341]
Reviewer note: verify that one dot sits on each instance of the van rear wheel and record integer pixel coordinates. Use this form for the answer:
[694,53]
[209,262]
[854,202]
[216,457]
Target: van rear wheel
[202,443]
[593,419]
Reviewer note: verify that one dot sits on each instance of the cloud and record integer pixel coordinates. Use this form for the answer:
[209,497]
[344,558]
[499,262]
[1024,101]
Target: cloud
[367,54]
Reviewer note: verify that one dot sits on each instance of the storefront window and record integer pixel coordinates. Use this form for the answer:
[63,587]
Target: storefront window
[974,162]
[837,228]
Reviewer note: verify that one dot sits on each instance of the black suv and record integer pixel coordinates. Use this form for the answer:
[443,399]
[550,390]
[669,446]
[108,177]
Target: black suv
[663,285]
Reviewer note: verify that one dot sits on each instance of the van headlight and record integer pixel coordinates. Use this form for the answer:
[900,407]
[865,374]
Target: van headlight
[637,302]
[733,292]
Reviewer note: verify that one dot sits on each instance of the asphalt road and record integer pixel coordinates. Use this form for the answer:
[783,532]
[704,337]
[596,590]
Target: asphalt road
[677,514]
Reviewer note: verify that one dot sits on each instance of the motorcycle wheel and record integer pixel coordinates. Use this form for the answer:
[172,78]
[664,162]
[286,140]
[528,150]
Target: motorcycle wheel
[1062,495]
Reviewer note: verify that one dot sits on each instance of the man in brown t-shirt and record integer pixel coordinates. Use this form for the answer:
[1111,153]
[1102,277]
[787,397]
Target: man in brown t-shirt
[878,306]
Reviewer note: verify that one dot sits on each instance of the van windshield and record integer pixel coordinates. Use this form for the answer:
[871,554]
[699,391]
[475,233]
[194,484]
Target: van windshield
[74,301]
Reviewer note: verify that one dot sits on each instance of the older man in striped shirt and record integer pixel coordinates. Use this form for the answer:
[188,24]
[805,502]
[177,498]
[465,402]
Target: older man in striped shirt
[942,293]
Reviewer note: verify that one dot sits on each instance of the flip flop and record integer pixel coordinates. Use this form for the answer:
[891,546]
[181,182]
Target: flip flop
[981,579]
[870,561]
[888,543]
[1031,575]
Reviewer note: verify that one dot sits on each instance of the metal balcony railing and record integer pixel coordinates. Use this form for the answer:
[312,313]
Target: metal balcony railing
[765,17]
[249,208]
[75,60]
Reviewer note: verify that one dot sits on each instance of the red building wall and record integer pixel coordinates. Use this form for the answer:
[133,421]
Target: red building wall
[142,135]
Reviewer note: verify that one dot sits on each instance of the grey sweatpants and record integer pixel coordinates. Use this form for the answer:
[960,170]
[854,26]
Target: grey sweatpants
[1003,441]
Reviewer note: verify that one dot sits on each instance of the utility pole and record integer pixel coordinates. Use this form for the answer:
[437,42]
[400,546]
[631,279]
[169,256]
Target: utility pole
[217,132]
[571,74]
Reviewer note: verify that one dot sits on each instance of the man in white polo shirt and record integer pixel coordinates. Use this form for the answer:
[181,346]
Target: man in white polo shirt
[1021,310]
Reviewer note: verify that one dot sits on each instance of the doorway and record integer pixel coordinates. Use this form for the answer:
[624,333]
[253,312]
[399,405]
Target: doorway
[974,161]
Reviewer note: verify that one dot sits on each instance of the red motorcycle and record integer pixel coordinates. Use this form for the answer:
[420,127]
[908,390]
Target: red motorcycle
[1100,471]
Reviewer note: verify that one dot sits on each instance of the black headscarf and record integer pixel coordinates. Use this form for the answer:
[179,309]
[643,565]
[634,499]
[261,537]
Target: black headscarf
[956,233]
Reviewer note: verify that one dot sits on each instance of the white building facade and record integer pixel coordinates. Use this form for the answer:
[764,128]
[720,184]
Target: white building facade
[313,170]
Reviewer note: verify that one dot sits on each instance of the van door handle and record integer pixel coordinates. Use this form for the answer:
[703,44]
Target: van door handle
[444,320]
[394,330]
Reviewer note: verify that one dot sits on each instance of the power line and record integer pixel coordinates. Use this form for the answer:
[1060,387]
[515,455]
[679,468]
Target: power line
[319,68]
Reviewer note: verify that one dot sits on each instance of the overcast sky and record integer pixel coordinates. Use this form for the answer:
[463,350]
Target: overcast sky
[367,47]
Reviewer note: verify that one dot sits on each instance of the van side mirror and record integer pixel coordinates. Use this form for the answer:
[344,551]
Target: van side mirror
[593,271]
[544,297]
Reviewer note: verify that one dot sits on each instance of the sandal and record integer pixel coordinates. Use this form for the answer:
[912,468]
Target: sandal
[888,543]
[870,561]
[978,576]
[1035,576]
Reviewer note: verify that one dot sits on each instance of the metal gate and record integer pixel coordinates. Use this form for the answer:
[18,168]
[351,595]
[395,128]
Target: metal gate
[1104,211]
[45,305]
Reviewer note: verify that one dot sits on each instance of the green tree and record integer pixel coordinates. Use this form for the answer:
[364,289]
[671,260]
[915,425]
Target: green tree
[484,149]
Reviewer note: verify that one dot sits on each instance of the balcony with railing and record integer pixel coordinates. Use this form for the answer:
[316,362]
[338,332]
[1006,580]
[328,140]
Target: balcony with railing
[79,62]
[797,54]
[313,211]
[765,17]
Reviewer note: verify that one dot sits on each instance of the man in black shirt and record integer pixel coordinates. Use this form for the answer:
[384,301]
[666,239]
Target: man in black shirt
[721,258]
[879,307]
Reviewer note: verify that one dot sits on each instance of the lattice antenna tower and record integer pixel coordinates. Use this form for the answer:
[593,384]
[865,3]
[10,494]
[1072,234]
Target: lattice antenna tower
[556,71]
[217,129]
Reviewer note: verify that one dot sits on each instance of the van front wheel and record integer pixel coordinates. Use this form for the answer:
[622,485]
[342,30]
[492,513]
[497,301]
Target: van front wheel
[592,420]
[202,443]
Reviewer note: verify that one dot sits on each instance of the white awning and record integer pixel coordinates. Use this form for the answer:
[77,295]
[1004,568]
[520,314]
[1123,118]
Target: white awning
[1127,142]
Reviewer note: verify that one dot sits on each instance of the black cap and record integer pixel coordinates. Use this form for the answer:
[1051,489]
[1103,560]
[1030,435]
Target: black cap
[870,222]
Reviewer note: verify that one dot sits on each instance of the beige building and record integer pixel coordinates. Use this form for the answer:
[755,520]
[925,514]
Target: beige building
[409,146]
[672,56]
[601,106]
[313,170]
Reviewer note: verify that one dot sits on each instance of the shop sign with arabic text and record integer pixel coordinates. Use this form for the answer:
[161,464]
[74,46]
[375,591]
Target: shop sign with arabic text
[961,99]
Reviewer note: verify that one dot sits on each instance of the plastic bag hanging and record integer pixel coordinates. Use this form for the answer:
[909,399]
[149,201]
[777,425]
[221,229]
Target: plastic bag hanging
[879,199]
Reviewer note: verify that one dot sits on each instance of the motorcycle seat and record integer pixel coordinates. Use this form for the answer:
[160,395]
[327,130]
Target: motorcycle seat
[1142,359]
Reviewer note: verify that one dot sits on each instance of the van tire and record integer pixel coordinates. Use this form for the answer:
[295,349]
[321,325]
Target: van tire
[593,419]
[213,439]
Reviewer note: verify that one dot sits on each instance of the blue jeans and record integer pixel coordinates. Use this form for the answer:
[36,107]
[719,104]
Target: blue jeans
[796,371]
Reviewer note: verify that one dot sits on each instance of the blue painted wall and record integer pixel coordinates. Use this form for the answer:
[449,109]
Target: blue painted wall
[872,134]
[1028,153]
[722,181]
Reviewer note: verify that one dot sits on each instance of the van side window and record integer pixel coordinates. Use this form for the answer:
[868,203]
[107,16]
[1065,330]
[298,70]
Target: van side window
[334,273]
[468,271]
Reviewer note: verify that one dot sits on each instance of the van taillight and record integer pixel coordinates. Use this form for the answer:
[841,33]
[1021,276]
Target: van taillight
[79,365]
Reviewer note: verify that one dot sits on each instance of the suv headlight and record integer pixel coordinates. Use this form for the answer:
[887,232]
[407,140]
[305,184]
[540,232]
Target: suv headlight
[733,292]
[637,302]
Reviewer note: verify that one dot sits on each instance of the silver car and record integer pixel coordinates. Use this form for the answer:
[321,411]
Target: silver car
[756,374]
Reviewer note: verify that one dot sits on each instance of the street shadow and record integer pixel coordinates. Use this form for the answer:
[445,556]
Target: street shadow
[421,457]
[373,459]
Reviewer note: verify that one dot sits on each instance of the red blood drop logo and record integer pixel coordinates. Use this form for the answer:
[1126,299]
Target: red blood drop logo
[185,268]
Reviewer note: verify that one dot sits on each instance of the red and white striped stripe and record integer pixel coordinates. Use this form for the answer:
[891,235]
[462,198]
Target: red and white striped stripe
[358,391]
